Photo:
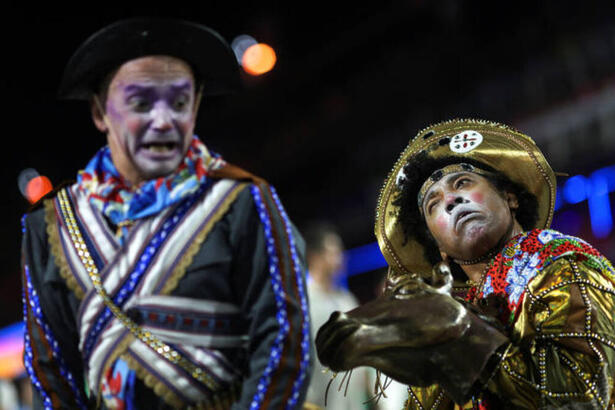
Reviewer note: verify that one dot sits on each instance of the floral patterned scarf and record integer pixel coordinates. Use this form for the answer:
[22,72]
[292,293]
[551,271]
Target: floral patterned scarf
[108,192]
[524,257]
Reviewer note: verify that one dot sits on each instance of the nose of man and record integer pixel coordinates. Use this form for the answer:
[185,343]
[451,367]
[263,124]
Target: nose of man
[162,120]
[451,201]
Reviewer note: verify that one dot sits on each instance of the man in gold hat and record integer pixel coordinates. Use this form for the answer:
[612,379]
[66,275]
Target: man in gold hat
[528,322]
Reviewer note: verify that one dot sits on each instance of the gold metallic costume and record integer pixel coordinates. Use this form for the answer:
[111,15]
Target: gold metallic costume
[538,331]
[562,335]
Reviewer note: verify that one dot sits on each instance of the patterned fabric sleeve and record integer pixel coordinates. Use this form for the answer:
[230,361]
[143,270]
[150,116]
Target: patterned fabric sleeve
[563,340]
[54,382]
[275,302]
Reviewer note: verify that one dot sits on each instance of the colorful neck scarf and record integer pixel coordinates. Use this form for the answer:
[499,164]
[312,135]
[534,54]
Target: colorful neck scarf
[108,191]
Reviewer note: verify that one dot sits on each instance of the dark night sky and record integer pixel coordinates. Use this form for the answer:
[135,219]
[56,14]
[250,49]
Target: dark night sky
[351,84]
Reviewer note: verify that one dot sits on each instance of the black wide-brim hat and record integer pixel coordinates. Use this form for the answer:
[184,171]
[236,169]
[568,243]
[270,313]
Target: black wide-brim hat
[209,55]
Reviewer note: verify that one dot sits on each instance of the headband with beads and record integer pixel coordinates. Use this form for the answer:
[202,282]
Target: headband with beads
[447,170]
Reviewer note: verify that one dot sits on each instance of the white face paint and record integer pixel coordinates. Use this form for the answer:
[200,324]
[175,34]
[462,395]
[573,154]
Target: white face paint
[465,141]
[150,110]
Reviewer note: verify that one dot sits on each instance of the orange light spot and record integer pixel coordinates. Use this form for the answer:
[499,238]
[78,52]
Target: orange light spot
[11,364]
[37,188]
[258,59]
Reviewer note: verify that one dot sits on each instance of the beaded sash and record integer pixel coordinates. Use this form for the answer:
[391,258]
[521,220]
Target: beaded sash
[111,279]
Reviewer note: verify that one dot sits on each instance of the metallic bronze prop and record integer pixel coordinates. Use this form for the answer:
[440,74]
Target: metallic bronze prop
[415,333]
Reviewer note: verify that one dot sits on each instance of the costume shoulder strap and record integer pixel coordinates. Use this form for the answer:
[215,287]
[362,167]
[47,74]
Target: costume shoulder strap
[231,171]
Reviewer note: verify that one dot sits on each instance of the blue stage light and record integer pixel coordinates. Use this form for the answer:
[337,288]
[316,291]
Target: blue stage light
[364,259]
[600,205]
[11,330]
[575,189]
[559,201]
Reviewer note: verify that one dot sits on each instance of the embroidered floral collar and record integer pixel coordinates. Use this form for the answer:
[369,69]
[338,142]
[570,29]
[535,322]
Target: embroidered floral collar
[524,257]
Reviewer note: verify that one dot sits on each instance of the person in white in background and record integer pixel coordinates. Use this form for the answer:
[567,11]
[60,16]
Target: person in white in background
[8,395]
[324,250]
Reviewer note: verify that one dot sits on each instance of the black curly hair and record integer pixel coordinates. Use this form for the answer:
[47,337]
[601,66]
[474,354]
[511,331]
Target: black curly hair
[419,168]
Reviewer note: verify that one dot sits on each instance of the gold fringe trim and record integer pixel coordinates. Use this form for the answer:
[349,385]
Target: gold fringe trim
[188,256]
[220,401]
[53,235]
[153,383]
[119,349]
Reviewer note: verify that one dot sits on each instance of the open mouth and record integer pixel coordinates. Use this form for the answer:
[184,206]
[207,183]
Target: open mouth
[160,147]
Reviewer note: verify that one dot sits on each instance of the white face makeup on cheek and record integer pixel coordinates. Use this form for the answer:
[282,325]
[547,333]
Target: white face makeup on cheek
[150,108]
[465,215]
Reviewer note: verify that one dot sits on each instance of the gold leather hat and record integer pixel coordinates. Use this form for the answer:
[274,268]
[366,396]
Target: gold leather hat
[501,147]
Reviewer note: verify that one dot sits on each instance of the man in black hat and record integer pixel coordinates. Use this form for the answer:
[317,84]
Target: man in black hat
[528,323]
[164,277]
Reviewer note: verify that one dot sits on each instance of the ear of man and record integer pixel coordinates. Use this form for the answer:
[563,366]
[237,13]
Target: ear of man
[513,202]
[98,117]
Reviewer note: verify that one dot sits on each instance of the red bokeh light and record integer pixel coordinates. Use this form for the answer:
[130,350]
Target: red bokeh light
[37,188]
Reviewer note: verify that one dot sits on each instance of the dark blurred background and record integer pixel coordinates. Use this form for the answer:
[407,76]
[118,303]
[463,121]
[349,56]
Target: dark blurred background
[352,83]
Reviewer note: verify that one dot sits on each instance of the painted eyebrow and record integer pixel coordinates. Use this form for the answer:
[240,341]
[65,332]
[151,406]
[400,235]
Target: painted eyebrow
[143,88]
[181,86]
[135,88]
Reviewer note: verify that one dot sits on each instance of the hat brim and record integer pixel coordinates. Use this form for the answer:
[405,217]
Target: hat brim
[209,55]
[502,148]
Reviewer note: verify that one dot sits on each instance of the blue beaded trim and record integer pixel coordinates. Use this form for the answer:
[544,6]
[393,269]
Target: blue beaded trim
[276,279]
[305,330]
[35,308]
[281,316]
[29,357]
[143,265]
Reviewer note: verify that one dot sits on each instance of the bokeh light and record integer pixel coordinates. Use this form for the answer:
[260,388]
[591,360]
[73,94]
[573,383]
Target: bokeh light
[25,176]
[575,189]
[240,44]
[258,59]
[37,188]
